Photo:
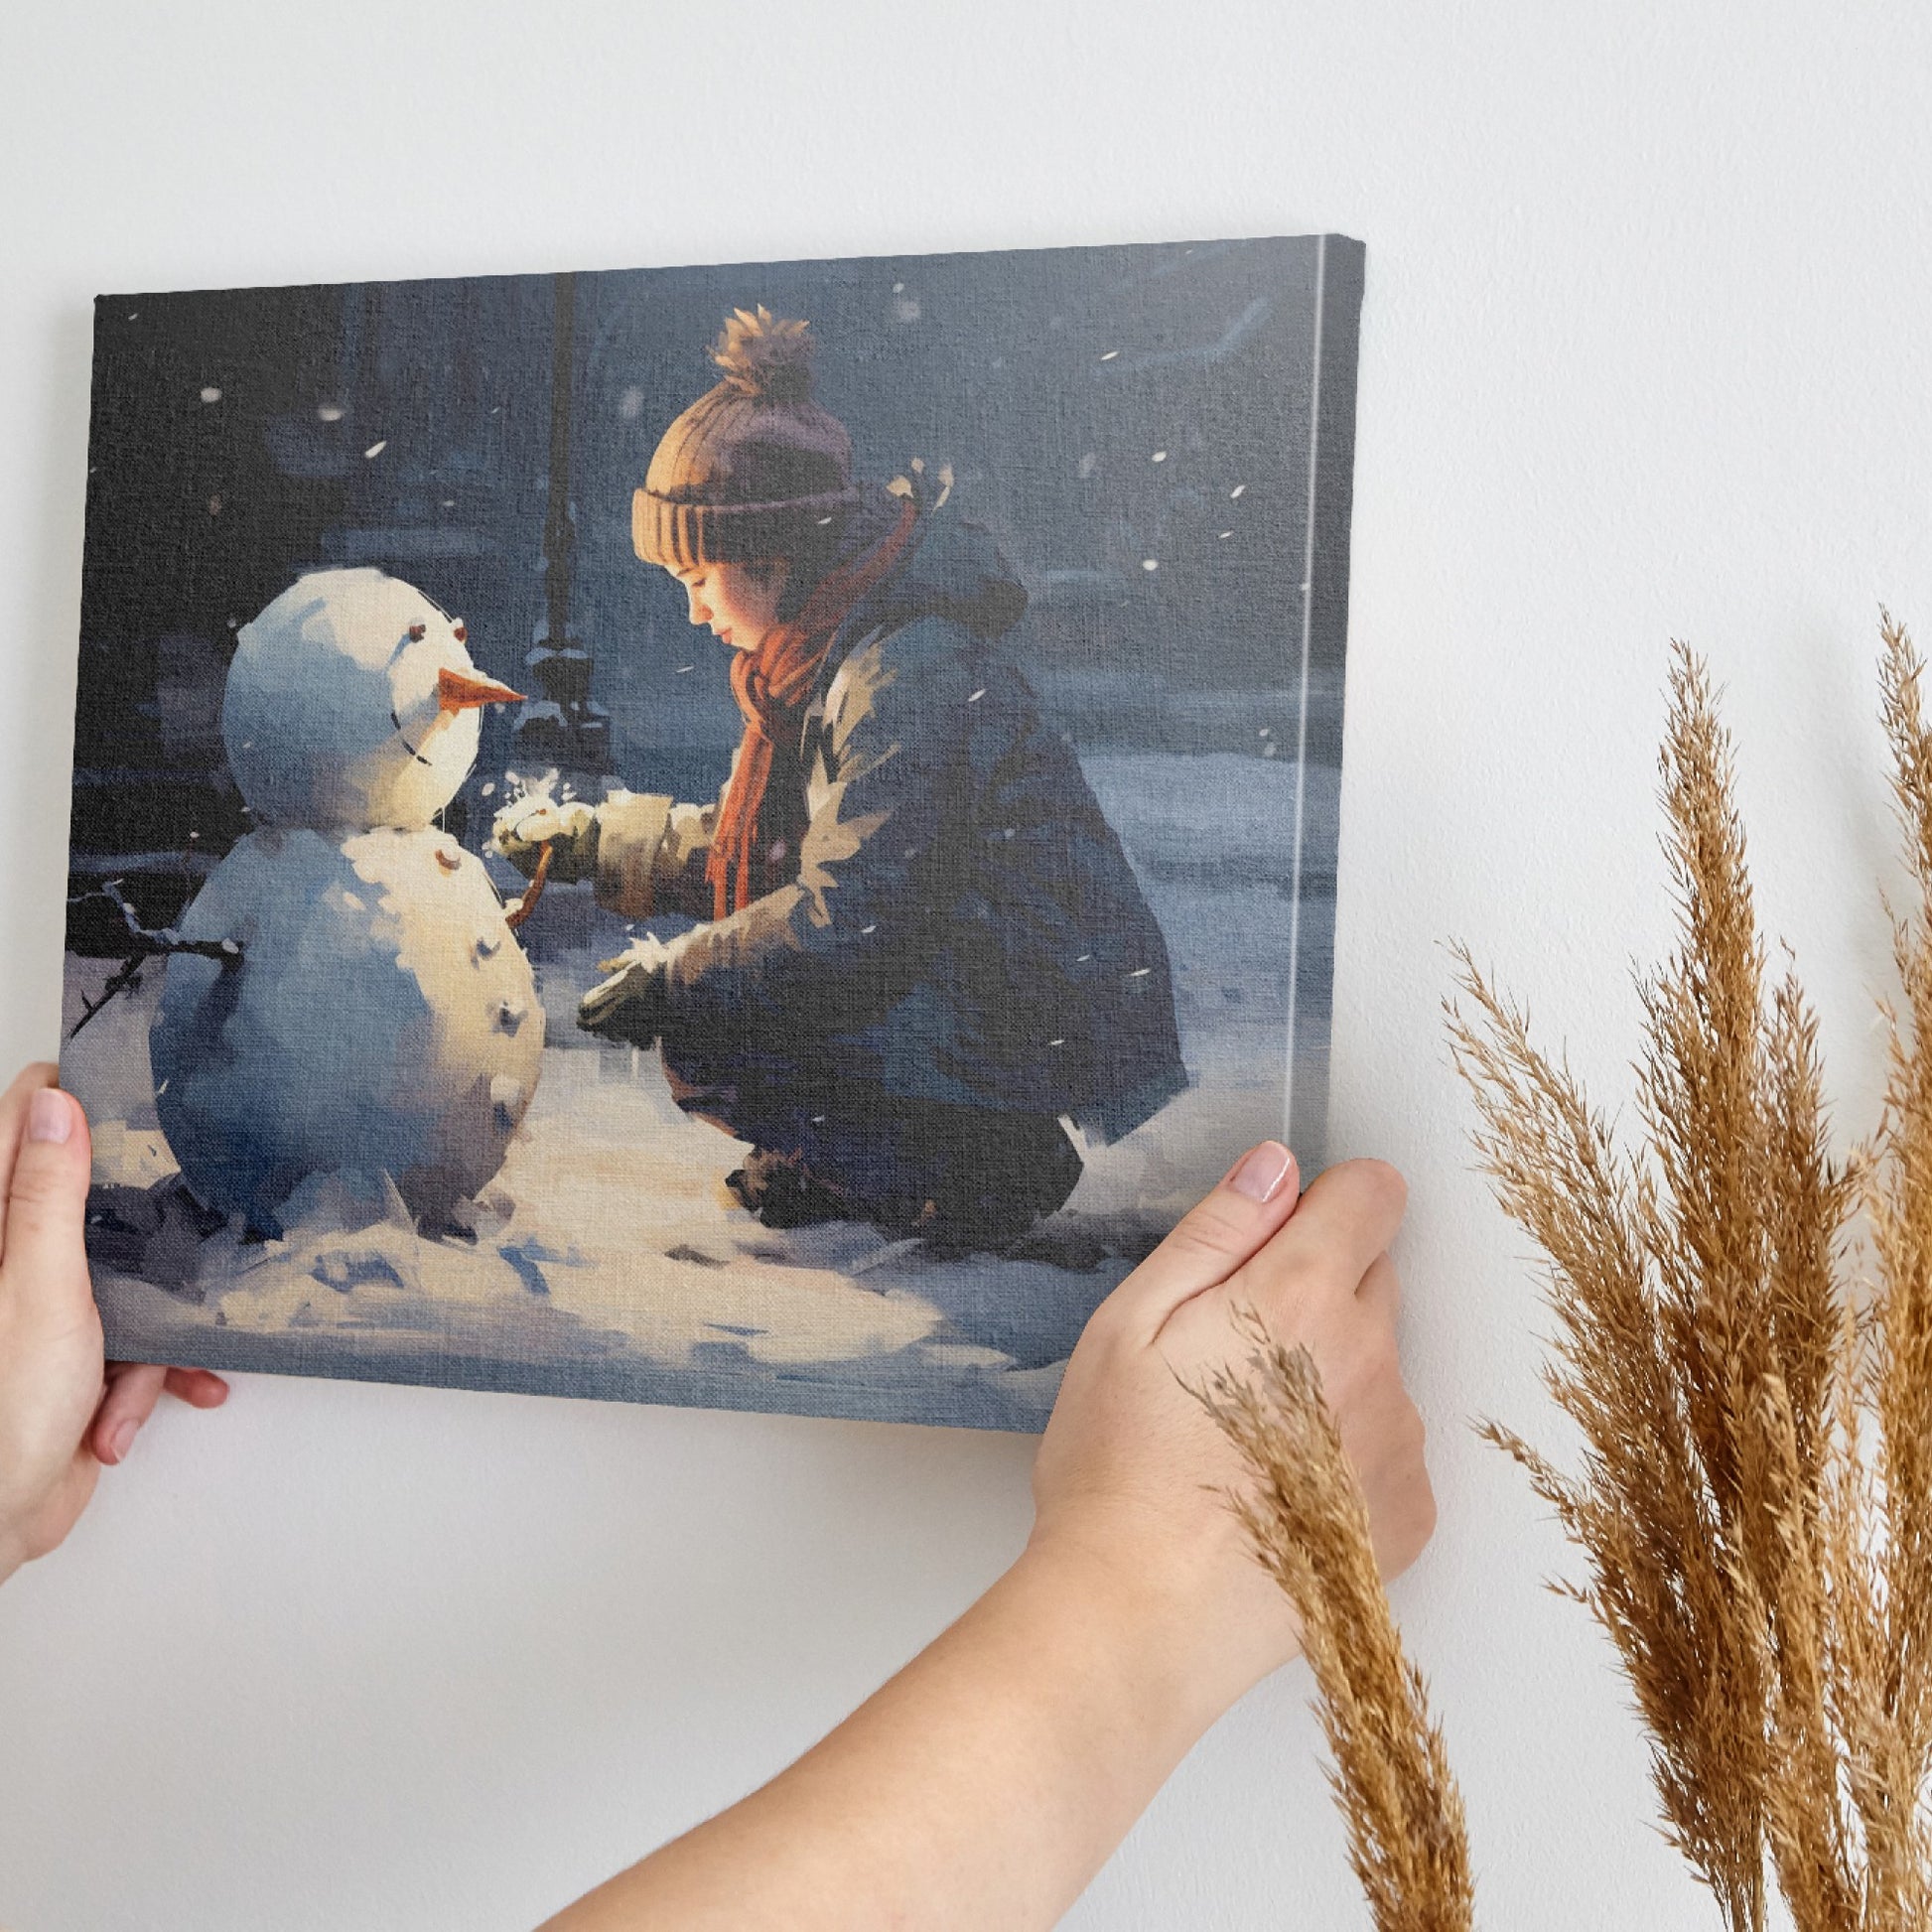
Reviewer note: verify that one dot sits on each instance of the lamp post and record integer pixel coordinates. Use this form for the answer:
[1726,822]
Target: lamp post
[560,723]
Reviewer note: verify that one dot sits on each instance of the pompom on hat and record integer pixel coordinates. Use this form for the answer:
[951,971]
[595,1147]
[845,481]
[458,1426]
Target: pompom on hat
[754,469]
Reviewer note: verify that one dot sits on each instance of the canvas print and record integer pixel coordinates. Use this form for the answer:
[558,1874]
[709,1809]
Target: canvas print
[746,836]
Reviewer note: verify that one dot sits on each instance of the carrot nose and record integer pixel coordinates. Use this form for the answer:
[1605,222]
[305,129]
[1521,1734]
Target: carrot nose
[461,691]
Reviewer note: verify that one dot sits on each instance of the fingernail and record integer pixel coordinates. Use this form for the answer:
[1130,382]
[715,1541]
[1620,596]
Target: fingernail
[122,1439]
[50,1115]
[1262,1172]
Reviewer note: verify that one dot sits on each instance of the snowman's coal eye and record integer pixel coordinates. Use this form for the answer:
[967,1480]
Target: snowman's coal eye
[417,632]
[463,633]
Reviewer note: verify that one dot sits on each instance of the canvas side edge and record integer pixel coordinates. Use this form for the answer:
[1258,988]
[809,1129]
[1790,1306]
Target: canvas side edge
[1331,514]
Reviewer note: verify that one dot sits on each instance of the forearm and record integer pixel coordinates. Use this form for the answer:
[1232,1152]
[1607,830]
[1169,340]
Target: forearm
[983,1785]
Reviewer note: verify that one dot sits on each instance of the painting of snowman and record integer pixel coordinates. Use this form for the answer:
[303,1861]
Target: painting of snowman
[375,1018]
[863,862]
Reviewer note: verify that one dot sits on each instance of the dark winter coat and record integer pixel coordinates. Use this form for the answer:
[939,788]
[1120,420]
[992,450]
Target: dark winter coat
[963,925]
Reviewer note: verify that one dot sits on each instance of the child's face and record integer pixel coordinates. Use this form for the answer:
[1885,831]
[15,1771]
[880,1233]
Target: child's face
[738,603]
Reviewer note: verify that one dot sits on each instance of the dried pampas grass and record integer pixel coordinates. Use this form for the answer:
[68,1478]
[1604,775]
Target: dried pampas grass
[1309,1524]
[1753,1390]
[1754,1498]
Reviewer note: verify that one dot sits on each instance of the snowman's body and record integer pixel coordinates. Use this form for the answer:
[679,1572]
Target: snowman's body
[380,1017]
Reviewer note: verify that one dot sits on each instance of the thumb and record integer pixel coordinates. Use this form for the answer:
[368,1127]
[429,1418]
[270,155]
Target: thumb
[44,1264]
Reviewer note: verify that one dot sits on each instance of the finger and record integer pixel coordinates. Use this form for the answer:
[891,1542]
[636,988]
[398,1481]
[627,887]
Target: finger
[604,998]
[1213,1240]
[531,828]
[13,1125]
[200,1388]
[605,992]
[44,1264]
[1347,1217]
[133,1388]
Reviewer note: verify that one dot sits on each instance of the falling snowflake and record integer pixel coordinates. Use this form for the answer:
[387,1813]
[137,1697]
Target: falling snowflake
[1160,455]
[1149,563]
[1228,533]
[328,412]
[211,394]
[1110,355]
[1236,492]
[1088,464]
[537,793]
[375,450]
[977,695]
[631,405]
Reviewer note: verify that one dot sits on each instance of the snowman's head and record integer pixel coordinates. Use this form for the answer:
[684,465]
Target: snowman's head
[352,703]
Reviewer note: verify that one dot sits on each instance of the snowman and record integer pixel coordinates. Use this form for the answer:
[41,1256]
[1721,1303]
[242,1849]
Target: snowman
[363,1010]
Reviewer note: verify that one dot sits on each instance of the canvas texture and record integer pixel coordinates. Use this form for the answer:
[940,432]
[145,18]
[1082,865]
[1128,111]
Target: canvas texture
[742,836]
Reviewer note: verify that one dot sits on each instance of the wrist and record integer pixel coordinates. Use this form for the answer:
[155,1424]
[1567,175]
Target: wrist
[1158,1628]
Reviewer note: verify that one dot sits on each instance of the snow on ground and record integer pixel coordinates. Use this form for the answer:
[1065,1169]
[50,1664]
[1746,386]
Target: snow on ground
[606,1257]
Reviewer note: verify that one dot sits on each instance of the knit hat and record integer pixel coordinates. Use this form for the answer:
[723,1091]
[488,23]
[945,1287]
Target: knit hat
[754,469]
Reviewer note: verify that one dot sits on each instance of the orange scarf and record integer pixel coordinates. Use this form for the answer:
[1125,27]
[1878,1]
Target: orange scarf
[771,685]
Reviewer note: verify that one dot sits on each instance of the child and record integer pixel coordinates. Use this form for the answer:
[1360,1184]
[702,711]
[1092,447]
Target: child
[920,945]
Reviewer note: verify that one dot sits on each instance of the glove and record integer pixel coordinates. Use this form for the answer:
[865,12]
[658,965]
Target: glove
[632,1004]
[523,827]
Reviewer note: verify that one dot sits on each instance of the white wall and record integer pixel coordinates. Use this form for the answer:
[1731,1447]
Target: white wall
[1644,354]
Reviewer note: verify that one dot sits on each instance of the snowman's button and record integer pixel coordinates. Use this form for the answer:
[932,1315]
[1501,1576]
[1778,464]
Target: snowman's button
[506,1099]
[488,945]
[449,857]
[511,1014]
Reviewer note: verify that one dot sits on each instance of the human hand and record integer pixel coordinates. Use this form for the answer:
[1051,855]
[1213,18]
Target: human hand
[64,1411]
[526,827]
[1043,1720]
[629,1004]
[1131,1473]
